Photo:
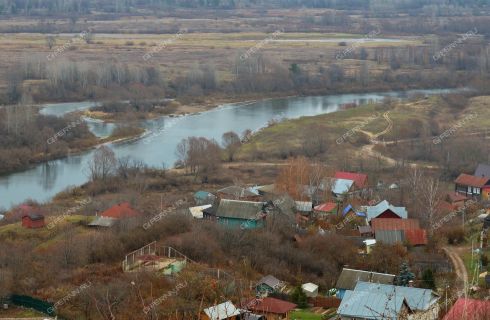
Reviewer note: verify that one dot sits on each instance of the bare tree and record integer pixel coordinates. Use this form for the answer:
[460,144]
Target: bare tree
[50,41]
[430,198]
[103,164]
[231,143]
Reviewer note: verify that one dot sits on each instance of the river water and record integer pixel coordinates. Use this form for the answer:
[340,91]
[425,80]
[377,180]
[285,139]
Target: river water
[45,180]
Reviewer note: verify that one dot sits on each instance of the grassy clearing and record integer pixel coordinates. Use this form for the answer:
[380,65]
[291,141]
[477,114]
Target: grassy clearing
[304,315]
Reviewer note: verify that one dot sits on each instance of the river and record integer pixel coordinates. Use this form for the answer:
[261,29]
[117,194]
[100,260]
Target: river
[45,180]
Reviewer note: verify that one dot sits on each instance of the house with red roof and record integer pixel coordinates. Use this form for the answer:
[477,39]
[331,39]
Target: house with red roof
[409,230]
[360,179]
[120,211]
[473,186]
[324,209]
[272,308]
[469,309]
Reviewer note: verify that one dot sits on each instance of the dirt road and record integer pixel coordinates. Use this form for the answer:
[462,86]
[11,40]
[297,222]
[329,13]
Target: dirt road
[459,268]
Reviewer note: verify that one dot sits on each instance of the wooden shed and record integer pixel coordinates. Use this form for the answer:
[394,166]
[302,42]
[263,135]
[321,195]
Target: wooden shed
[33,221]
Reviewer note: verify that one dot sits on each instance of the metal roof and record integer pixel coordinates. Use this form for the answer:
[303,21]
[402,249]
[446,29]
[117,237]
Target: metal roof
[349,277]
[483,170]
[374,211]
[222,311]
[271,281]
[370,305]
[390,236]
[310,287]
[417,298]
[239,192]
[304,206]
[197,212]
[341,186]
[240,209]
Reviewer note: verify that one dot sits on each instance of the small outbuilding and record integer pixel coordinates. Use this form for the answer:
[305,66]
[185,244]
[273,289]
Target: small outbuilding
[310,289]
[33,221]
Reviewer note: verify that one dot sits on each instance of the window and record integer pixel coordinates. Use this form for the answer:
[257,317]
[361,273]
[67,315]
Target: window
[476,190]
[469,189]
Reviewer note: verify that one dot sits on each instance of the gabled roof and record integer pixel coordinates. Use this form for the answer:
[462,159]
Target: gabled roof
[483,170]
[270,281]
[326,207]
[394,224]
[34,216]
[222,311]
[349,277]
[240,209]
[360,179]
[203,195]
[367,305]
[270,305]
[341,186]
[238,192]
[469,309]
[390,236]
[469,180]
[119,211]
[374,211]
[418,299]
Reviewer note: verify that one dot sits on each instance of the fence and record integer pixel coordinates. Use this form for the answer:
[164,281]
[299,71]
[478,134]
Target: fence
[325,302]
[33,303]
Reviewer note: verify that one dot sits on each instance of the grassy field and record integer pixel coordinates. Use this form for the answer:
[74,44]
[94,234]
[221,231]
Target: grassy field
[304,315]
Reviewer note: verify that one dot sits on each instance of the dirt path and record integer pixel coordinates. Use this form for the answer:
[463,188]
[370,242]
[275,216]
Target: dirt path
[459,268]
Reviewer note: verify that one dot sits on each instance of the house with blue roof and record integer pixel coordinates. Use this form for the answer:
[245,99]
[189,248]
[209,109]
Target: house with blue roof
[362,305]
[422,302]
[385,210]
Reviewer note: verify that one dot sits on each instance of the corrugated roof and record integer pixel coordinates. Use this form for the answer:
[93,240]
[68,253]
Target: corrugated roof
[270,305]
[341,186]
[469,180]
[418,299]
[390,236]
[349,277]
[222,311]
[483,170]
[367,305]
[360,179]
[239,209]
[238,192]
[374,211]
[416,237]
[326,207]
[271,281]
[469,309]
[394,224]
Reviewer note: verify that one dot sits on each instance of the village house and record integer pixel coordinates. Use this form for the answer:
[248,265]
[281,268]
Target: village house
[115,213]
[472,186]
[33,221]
[242,214]
[362,305]
[385,210]
[391,231]
[422,302]
[271,308]
[269,284]
[239,193]
[349,278]
[223,311]
[324,210]
[360,179]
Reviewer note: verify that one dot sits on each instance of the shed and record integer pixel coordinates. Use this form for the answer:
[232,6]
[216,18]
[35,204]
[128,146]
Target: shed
[349,278]
[269,284]
[225,310]
[198,211]
[243,214]
[310,289]
[33,221]
[204,197]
